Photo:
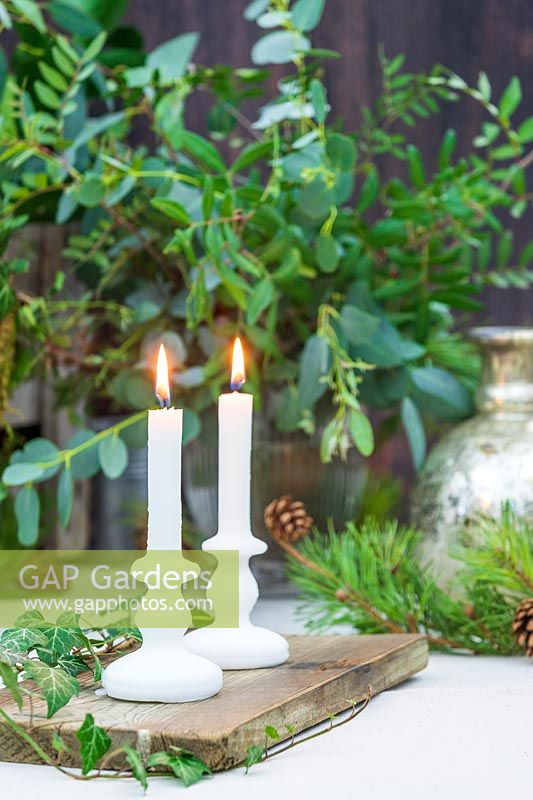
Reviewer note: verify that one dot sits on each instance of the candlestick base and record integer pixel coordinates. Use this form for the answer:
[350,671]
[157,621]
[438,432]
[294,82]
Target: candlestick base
[246,647]
[163,670]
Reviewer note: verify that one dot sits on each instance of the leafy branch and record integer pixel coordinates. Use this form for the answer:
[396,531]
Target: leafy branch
[371,577]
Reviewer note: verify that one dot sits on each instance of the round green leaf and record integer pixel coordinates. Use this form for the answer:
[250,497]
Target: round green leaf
[91,193]
[18,474]
[361,433]
[327,253]
[86,463]
[113,456]
[279,47]
[38,450]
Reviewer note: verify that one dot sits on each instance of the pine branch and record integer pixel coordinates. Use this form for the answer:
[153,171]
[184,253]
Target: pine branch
[371,578]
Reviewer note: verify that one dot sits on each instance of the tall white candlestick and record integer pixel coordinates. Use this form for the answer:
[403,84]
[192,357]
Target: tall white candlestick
[248,646]
[163,669]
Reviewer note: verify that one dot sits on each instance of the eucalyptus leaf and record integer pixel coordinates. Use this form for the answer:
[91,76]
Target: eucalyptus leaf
[113,456]
[306,14]
[65,497]
[84,464]
[414,430]
[280,47]
[314,365]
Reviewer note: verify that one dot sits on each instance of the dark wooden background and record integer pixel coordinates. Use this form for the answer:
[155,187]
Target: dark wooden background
[465,35]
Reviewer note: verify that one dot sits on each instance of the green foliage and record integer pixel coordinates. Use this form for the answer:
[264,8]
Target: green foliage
[285,229]
[371,577]
[57,686]
[94,743]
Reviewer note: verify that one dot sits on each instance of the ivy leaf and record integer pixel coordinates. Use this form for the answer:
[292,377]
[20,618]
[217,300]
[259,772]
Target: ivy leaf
[58,686]
[65,496]
[185,766]
[27,510]
[272,732]
[137,767]
[94,743]
[254,756]
[361,432]
[113,455]
[10,678]
[414,430]
[261,298]
[61,640]
[16,641]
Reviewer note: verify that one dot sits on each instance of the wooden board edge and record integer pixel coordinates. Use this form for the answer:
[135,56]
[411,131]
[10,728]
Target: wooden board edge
[334,694]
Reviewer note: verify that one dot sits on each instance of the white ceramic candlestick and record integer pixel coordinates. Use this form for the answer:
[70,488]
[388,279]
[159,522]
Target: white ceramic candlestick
[163,669]
[248,646]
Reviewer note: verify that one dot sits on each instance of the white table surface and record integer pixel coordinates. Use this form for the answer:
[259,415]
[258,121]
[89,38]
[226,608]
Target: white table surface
[462,728]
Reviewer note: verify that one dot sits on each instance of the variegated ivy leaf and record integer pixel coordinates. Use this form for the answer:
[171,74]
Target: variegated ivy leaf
[21,640]
[10,678]
[57,686]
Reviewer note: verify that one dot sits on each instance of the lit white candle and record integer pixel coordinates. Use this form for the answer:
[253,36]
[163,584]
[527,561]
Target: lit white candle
[248,646]
[234,452]
[164,466]
[162,669]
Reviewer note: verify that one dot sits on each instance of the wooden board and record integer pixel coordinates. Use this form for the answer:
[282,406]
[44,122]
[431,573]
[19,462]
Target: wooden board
[323,676]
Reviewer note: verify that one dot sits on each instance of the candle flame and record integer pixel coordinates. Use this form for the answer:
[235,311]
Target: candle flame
[238,375]
[162,388]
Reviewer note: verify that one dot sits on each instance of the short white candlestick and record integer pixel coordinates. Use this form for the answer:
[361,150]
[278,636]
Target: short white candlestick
[163,669]
[248,646]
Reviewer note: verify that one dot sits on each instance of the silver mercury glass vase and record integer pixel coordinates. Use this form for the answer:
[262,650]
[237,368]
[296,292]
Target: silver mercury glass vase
[486,460]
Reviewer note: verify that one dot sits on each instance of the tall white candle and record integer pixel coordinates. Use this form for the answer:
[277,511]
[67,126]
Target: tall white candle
[164,466]
[234,452]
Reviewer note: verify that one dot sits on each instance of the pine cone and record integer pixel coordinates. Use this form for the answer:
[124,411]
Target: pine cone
[523,625]
[286,519]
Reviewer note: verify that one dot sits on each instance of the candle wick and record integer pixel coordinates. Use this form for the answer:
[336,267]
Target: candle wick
[164,402]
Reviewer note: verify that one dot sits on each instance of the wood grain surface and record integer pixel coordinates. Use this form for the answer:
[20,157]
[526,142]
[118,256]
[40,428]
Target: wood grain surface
[324,675]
